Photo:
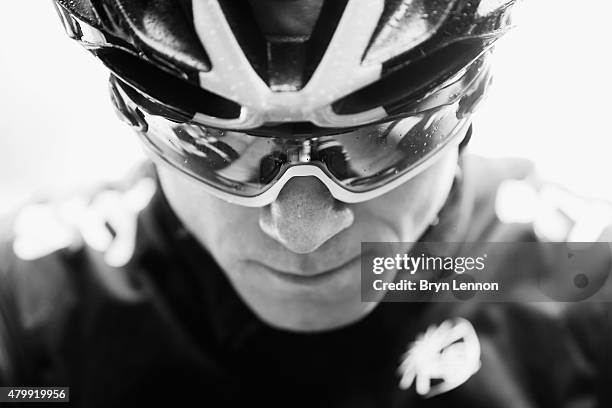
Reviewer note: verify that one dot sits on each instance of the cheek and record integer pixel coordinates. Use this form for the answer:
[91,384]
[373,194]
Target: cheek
[412,207]
[225,230]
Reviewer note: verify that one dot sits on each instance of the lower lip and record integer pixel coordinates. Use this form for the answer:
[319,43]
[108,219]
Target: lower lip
[318,280]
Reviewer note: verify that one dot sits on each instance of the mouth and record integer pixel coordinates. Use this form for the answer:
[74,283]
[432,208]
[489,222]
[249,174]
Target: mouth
[313,279]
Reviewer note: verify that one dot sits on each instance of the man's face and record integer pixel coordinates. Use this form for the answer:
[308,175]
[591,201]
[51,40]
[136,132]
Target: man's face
[296,261]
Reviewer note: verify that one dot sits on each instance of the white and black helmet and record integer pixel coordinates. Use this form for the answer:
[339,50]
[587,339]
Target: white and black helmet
[302,65]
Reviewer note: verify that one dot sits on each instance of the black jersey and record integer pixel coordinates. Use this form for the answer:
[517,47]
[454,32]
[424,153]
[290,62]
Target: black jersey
[111,296]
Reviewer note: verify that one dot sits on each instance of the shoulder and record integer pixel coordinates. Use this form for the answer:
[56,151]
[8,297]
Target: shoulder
[58,255]
[44,240]
[513,204]
[46,236]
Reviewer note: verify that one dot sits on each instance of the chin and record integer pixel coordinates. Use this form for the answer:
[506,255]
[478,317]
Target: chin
[304,317]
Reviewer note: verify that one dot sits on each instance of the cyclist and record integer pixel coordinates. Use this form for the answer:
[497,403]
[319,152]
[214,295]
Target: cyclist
[285,134]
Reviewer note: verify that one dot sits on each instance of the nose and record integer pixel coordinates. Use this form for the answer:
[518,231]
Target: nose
[305,215]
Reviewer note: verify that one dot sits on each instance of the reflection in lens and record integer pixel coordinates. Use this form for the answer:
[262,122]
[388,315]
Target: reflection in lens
[205,144]
[270,167]
[381,153]
[335,158]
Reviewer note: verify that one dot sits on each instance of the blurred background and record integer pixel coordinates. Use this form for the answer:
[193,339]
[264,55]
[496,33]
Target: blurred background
[550,102]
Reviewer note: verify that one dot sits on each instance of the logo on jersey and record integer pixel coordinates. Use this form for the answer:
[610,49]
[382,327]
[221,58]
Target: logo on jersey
[107,224]
[556,214]
[441,359]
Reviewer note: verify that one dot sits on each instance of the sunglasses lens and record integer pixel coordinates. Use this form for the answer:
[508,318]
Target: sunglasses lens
[244,165]
[379,155]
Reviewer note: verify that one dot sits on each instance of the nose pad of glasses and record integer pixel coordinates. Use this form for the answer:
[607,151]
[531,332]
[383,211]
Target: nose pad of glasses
[305,215]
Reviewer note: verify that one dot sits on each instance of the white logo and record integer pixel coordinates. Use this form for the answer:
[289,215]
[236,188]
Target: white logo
[556,214]
[108,225]
[449,353]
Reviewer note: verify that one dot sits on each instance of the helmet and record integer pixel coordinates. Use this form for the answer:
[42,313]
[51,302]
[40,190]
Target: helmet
[210,74]
[214,62]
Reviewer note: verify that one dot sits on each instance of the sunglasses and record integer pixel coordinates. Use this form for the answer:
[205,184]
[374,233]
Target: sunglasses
[251,170]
